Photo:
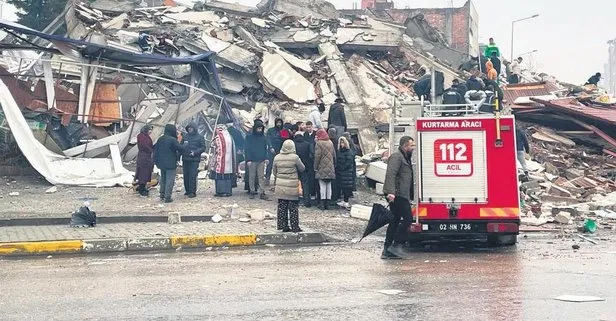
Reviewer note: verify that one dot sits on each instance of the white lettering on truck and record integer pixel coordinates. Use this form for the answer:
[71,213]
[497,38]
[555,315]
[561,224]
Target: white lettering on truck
[451,124]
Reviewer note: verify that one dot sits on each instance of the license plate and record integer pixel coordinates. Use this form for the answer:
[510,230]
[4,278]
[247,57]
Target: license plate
[455,227]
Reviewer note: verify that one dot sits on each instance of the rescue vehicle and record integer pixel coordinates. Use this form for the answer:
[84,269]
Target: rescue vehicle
[466,175]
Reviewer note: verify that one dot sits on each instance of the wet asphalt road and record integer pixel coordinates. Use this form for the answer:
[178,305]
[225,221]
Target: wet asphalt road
[336,282]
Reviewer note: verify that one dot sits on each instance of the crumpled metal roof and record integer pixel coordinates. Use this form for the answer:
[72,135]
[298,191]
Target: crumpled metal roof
[515,91]
[573,106]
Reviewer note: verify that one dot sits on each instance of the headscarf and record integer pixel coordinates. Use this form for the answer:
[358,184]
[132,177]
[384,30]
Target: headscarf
[322,134]
[145,129]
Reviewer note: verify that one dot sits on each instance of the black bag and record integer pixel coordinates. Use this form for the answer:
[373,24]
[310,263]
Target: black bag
[84,217]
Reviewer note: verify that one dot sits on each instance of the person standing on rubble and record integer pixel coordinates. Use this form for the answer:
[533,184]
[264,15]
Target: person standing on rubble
[287,167]
[398,187]
[516,71]
[166,152]
[274,141]
[496,62]
[325,172]
[315,116]
[337,117]
[145,163]
[491,49]
[303,150]
[490,71]
[522,147]
[194,144]
[594,80]
[256,159]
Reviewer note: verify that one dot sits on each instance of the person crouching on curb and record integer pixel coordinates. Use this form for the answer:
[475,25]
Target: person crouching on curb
[286,169]
[399,187]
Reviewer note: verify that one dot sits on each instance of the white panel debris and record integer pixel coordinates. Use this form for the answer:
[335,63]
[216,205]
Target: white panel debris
[279,77]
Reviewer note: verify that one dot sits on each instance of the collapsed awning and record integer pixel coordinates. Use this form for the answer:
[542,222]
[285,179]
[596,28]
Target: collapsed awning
[104,53]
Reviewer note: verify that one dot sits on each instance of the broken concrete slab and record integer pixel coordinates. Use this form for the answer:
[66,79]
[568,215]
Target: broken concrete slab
[194,16]
[296,62]
[279,77]
[361,212]
[562,217]
[214,44]
[304,35]
[376,171]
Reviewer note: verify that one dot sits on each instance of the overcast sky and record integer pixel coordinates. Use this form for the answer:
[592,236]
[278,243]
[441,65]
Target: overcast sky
[567,34]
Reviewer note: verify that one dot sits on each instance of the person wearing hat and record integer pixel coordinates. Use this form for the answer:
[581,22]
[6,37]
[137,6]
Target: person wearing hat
[337,117]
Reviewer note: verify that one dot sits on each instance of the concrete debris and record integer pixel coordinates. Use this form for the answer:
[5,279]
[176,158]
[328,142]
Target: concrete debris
[304,35]
[14,194]
[278,77]
[51,190]
[562,217]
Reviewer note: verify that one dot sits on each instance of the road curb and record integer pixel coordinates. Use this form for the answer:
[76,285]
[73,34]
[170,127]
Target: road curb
[156,243]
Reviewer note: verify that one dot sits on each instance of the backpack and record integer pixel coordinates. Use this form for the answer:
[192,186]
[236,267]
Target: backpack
[84,217]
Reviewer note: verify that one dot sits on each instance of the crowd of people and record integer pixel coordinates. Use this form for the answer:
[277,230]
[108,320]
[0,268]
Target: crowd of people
[309,163]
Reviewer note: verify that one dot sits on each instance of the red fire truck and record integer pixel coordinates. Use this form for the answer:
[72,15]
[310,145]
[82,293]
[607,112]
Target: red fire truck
[466,179]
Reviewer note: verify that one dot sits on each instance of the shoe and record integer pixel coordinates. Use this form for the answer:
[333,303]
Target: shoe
[326,204]
[186,194]
[297,230]
[321,206]
[264,197]
[217,195]
[286,230]
[252,196]
[386,255]
[341,204]
[226,195]
[192,195]
[308,205]
[168,200]
[346,205]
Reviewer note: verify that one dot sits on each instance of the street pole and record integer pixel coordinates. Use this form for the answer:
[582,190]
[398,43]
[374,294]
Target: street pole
[512,28]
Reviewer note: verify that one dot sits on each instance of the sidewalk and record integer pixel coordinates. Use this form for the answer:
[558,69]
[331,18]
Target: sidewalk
[54,239]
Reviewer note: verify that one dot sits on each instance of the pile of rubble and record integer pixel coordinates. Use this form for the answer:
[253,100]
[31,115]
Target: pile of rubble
[274,60]
[567,183]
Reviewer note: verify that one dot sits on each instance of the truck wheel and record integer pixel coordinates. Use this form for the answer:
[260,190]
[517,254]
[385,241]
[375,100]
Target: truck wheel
[502,240]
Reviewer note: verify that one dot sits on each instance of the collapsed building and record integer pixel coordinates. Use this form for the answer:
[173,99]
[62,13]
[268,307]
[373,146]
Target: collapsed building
[126,63]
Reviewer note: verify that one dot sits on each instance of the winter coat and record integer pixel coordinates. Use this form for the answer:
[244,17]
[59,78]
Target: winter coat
[167,149]
[302,149]
[399,176]
[324,157]
[315,117]
[256,144]
[474,83]
[451,96]
[345,165]
[521,141]
[516,68]
[490,49]
[274,138]
[145,163]
[422,86]
[490,71]
[496,62]
[194,144]
[286,167]
[337,116]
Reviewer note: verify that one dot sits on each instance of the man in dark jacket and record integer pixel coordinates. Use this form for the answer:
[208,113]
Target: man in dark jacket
[274,141]
[422,87]
[302,149]
[310,136]
[496,62]
[256,159]
[522,147]
[451,96]
[399,189]
[594,80]
[194,146]
[474,83]
[337,117]
[166,153]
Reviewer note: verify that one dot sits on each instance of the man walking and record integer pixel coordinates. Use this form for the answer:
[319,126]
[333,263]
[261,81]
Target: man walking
[166,158]
[194,146]
[256,159]
[399,189]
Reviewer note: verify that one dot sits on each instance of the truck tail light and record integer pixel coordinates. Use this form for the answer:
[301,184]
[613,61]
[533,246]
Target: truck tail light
[503,228]
[415,228]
